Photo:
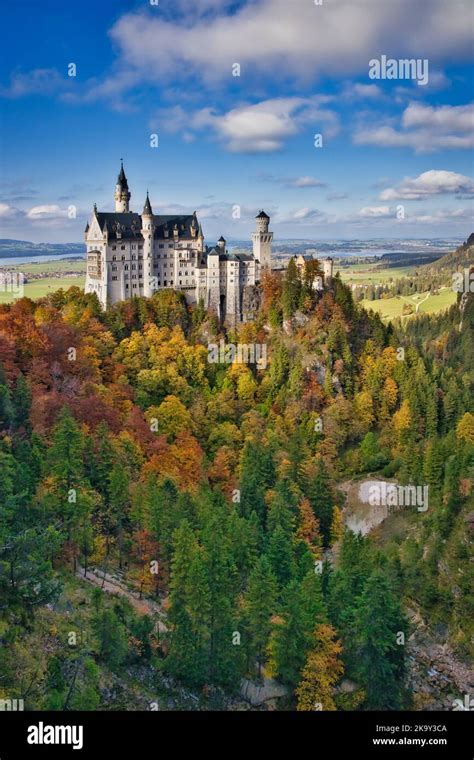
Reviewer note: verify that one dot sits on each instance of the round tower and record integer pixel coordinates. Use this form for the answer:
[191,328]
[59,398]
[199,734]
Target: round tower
[148,230]
[122,194]
[327,269]
[262,240]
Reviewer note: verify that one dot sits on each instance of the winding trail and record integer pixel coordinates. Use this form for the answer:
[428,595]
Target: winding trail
[111,585]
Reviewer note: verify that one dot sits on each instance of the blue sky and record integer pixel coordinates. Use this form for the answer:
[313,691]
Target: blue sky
[396,158]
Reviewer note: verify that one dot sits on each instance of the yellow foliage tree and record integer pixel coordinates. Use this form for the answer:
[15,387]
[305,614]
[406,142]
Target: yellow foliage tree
[403,418]
[465,428]
[337,525]
[322,671]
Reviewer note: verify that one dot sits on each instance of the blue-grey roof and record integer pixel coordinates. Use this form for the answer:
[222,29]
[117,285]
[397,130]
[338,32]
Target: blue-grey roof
[130,224]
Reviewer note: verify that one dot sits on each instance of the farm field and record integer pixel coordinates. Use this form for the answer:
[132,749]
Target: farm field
[391,308]
[360,274]
[45,286]
[62,265]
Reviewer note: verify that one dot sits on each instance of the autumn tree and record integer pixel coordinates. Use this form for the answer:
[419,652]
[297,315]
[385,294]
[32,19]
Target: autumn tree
[322,671]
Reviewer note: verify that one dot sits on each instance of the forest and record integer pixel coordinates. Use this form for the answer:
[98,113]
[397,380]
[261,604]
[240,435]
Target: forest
[211,490]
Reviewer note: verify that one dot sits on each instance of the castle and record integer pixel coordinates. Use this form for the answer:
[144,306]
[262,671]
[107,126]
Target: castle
[130,254]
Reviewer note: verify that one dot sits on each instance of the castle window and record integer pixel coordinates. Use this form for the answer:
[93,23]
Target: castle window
[126,266]
[126,285]
[134,247]
[115,277]
[140,266]
[134,266]
[114,247]
[164,282]
[162,245]
[134,286]
[114,269]
[122,247]
[134,258]
[134,276]
[180,282]
[140,247]
[171,282]
[170,245]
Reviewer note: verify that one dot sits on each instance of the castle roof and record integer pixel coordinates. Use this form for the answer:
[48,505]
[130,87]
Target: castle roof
[224,255]
[262,215]
[129,224]
[122,180]
[147,211]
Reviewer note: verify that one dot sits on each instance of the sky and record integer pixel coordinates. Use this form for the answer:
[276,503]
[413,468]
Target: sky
[230,106]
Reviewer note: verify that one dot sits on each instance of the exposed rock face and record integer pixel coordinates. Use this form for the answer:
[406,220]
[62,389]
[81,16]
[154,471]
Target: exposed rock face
[265,693]
[436,676]
[251,301]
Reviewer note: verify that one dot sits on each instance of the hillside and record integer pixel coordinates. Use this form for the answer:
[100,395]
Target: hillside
[461,258]
[173,526]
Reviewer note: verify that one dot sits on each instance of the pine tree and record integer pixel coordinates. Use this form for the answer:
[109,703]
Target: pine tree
[319,493]
[259,605]
[291,289]
[379,634]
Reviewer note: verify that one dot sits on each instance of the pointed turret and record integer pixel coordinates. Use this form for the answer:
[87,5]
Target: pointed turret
[121,179]
[147,210]
[122,194]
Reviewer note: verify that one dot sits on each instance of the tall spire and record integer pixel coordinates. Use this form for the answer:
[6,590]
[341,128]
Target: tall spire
[121,179]
[122,194]
[147,210]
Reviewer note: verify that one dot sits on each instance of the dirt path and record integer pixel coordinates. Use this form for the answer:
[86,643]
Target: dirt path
[113,586]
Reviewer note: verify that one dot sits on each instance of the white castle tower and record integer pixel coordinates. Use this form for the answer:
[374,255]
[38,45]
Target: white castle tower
[262,240]
[328,269]
[148,231]
[122,194]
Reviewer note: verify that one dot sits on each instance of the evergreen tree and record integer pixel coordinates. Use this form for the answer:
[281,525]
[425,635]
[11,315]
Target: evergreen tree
[259,605]
[379,635]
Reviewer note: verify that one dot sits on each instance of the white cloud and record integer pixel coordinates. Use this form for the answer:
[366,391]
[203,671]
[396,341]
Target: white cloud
[425,129]
[293,38]
[358,90]
[304,216]
[256,128]
[7,211]
[305,182]
[375,212]
[50,215]
[35,82]
[428,184]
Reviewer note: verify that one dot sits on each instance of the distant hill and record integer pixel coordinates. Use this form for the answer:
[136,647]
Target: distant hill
[461,258]
[410,258]
[13,248]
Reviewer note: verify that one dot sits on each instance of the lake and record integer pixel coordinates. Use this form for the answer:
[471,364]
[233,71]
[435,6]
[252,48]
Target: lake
[33,259]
